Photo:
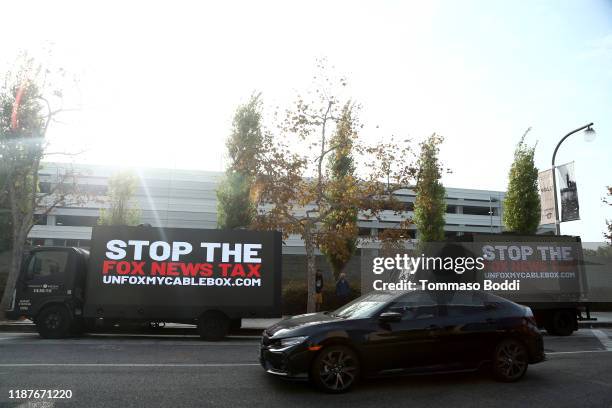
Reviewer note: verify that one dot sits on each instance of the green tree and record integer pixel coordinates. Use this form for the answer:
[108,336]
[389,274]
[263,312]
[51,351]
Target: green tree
[121,211]
[27,94]
[522,202]
[6,239]
[429,206]
[295,182]
[6,228]
[235,207]
[340,225]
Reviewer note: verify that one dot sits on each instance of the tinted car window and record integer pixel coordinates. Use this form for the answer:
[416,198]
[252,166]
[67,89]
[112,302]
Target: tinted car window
[462,303]
[494,300]
[364,306]
[415,306]
[465,298]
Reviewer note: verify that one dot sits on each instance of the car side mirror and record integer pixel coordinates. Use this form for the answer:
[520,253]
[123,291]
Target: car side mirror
[490,306]
[389,317]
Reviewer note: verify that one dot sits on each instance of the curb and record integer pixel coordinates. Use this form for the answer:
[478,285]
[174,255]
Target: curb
[18,328]
[31,328]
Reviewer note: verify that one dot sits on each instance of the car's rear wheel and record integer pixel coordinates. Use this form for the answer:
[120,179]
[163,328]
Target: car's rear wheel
[335,369]
[510,361]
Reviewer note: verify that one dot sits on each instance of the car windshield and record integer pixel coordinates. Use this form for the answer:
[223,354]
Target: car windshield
[364,306]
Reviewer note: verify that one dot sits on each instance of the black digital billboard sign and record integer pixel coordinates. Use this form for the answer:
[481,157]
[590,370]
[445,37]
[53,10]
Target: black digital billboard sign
[164,273]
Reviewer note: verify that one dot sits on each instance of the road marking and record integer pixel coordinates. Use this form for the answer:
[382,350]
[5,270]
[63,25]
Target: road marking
[161,336]
[125,365]
[37,404]
[577,352]
[603,339]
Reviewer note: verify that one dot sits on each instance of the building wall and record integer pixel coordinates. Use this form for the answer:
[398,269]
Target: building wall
[294,269]
[187,199]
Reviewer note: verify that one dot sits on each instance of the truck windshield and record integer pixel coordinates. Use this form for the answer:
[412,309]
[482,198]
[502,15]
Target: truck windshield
[47,264]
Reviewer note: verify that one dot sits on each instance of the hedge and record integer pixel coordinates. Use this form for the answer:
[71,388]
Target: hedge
[294,296]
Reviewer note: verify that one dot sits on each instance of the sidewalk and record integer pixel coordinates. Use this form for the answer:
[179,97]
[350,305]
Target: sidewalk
[259,324]
[249,326]
[604,319]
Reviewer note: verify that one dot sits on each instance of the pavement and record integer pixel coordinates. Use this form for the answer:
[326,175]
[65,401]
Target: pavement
[248,327]
[604,319]
[114,370]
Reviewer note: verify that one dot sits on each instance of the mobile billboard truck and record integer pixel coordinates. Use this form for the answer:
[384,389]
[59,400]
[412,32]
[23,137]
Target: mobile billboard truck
[211,278]
[546,273]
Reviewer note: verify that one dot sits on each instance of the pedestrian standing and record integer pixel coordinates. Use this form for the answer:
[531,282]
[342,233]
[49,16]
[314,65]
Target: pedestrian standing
[343,289]
[318,290]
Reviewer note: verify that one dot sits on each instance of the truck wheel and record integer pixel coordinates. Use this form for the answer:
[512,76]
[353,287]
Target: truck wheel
[213,325]
[54,322]
[562,323]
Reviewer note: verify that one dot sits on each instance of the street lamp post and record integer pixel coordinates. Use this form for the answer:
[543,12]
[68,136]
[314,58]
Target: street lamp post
[589,134]
[491,201]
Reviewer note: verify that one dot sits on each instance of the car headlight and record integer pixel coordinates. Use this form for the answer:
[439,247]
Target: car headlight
[284,344]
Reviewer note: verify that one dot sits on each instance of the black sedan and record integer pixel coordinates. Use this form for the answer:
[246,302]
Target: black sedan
[385,333]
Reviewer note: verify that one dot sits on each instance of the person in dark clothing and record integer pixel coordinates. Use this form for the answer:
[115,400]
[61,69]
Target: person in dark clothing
[343,290]
[318,290]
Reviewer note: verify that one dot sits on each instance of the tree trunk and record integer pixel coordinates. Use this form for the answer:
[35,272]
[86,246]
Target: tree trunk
[13,273]
[21,228]
[311,271]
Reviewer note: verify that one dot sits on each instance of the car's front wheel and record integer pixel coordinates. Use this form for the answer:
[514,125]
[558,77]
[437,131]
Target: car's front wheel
[335,369]
[510,361]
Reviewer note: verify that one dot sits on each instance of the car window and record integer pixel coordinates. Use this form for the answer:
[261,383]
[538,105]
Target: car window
[46,264]
[496,301]
[415,306]
[464,298]
[463,303]
[364,306]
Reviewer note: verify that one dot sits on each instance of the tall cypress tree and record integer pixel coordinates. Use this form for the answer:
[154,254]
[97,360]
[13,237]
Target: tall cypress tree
[235,209]
[429,206]
[122,209]
[522,202]
[340,226]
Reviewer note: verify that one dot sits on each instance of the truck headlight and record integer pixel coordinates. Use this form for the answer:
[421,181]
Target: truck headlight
[284,344]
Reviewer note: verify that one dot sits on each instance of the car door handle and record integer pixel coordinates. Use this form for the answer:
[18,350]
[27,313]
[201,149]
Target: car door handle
[489,320]
[433,327]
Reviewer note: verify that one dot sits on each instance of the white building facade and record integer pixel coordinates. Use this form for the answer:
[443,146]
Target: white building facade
[187,199]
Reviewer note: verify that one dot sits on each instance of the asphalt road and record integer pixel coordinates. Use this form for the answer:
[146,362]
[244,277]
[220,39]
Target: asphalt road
[182,371]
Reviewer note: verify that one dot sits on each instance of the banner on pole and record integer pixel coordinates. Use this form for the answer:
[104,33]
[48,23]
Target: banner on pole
[547,197]
[568,192]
